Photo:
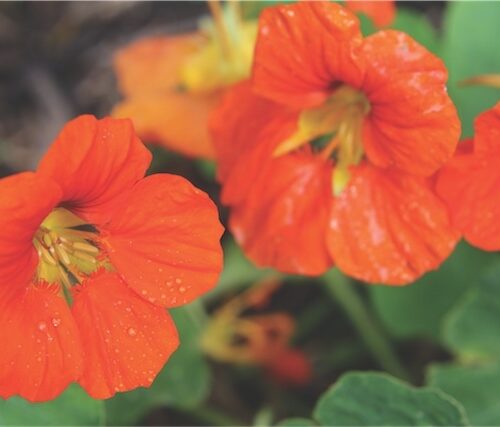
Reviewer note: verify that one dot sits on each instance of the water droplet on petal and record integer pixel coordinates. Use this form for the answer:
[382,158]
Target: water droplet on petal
[56,322]
[42,326]
[132,332]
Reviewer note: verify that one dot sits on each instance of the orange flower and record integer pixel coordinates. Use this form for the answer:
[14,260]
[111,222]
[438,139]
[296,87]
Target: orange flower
[257,339]
[382,12]
[90,254]
[380,121]
[172,83]
[470,183]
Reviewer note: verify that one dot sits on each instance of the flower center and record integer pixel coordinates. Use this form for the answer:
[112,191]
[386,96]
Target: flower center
[68,249]
[340,119]
[227,55]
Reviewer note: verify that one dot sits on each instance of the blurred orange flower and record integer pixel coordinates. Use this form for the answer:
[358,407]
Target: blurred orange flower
[325,155]
[256,339]
[470,183]
[90,254]
[172,83]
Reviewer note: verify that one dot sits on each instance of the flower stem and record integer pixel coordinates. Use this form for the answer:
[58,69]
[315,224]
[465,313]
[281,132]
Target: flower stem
[344,292]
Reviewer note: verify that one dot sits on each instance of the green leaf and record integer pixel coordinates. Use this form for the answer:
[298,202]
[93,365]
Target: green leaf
[418,309]
[296,422]
[472,328]
[470,48]
[74,407]
[238,271]
[374,399]
[477,388]
[183,382]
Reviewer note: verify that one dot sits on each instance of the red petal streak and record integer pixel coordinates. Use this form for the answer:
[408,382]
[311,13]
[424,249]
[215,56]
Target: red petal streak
[126,339]
[95,162]
[25,201]
[389,227]
[303,50]
[413,125]
[164,240]
[283,219]
[41,351]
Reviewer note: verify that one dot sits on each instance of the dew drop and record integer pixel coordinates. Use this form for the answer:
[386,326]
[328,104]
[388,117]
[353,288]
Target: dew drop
[132,332]
[178,281]
[56,322]
[42,326]
[182,289]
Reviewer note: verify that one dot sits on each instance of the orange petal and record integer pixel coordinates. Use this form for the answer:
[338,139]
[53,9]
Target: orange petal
[487,132]
[381,12]
[282,221]
[151,65]
[246,129]
[177,120]
[469,184]
[41,351]
[126,339]
[25,200]
[389,227]
[164,240]
[413,125]
[303,49]
[95,162]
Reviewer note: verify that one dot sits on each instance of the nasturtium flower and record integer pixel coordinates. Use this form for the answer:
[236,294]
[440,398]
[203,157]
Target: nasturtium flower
[91,254]
[470,183]
[172,83]
[326,155]
[261,339]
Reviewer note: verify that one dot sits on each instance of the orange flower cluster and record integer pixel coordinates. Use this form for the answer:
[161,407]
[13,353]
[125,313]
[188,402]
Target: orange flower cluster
[91,253]
[326,155]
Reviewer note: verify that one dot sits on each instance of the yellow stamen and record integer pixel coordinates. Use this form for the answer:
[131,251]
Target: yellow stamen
[62,254]
[85,247]
[84,257]
[46,256]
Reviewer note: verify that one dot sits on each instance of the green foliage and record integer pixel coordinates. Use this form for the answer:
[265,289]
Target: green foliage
[470,48]
[74,407]
[477,388]
[472,329]
[373,399]
[296,422]
[183,382]
[418,309]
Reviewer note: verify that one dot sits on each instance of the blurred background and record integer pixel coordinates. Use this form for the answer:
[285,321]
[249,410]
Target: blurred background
[56,63]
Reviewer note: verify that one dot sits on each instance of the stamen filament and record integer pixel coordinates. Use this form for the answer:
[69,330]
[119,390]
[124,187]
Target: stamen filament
[218,17]
[85,247]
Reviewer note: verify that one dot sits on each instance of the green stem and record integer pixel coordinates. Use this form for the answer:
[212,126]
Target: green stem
[344,292]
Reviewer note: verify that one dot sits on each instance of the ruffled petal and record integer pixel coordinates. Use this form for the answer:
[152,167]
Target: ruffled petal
[389,227]
[95,162]
[246,129]
[282,221]
[381,12]
[177,120]
[487,132]
[164,240]
[413,124]
[470,187]
[126,339]
[25,200]
[41,350]
[303,50]
[153,64]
